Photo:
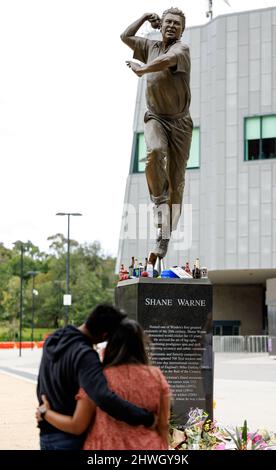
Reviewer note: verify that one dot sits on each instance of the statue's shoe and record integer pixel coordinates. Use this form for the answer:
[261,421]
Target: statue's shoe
[157,262]
[161,245]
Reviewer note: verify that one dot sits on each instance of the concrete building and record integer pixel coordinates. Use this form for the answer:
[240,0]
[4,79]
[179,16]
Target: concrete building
[231,182]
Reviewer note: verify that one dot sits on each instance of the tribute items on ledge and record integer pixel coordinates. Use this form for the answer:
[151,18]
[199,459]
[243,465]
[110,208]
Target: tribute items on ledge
[137,270]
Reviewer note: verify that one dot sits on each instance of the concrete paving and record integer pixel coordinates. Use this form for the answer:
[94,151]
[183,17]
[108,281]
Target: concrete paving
[245,388]
[17,414]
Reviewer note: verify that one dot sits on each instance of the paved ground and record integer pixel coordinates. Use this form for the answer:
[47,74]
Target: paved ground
[245,388]
[17,408]
[18,399]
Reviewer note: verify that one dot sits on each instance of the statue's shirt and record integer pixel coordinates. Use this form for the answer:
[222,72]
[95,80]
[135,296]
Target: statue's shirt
[168,92]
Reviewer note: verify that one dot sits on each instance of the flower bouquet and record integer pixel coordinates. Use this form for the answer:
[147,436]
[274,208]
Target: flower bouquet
[245,440]
[200,433]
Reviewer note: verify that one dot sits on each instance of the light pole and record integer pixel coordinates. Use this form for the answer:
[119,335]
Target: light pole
[33,274]
[67,300]
[21,292]
[209,13]
[21,298]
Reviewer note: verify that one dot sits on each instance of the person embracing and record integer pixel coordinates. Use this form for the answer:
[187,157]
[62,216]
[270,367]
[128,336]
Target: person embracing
[130,376]
[69,363]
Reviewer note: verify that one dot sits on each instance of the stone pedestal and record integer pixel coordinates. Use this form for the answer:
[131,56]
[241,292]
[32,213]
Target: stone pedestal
[177,315]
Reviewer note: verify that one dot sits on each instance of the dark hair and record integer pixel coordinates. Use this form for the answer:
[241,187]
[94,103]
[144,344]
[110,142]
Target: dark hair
[175,11]
[104,319]
[127,345]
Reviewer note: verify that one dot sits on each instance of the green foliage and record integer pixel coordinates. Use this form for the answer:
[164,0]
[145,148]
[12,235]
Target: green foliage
[92,280]
[11,333]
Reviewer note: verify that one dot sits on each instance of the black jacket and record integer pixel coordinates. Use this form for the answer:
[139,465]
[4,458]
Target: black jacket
[68,363]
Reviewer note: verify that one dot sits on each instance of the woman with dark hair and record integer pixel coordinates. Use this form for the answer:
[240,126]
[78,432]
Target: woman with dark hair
[129,374]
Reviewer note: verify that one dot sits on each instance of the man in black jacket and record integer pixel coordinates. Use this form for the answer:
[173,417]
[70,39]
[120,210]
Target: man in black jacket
[68,363]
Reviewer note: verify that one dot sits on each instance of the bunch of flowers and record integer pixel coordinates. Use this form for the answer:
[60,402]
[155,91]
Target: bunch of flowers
[200,433]
[245,440]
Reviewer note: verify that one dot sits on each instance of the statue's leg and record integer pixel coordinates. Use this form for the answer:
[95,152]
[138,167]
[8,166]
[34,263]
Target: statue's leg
[157,179]
[157,150]
[179,149]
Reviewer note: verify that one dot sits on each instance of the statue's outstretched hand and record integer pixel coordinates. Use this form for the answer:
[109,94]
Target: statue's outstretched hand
[136,68]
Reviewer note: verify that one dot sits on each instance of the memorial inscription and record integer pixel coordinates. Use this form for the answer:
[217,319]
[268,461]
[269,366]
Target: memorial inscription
[170,349]
[177,317]
[181,302]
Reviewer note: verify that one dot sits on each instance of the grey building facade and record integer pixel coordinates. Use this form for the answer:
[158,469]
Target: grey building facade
[231,183]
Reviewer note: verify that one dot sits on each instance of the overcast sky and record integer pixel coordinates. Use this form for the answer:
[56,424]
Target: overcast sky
[66,113]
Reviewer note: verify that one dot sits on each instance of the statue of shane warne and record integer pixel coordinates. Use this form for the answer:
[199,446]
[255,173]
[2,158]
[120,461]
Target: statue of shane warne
[168,125]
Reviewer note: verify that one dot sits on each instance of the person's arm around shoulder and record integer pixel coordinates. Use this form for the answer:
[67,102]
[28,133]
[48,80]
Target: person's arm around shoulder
[93,381]
[76,424]
[128,36]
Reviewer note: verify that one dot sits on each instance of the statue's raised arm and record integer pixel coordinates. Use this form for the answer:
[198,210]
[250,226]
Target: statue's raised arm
[128,36]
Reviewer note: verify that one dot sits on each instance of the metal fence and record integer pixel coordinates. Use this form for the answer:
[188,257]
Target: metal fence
[232,344]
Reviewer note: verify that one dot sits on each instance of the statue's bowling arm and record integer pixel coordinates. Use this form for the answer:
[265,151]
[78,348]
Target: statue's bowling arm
[128,36]
[162,62]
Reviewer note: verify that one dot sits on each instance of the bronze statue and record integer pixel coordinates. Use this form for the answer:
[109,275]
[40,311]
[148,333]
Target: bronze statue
[168,125]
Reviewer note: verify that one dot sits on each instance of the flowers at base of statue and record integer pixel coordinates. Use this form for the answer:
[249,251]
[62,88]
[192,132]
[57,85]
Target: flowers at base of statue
[200,433]
[245,440]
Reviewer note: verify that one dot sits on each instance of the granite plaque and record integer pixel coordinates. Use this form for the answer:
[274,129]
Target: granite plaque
[177,315]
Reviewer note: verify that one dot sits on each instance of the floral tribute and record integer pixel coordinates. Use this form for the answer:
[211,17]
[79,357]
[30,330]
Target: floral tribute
[200,433]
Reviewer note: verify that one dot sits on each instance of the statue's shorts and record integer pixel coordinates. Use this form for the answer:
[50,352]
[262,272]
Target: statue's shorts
[168,145]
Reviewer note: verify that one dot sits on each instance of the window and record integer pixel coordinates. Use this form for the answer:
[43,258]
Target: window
[217,330]
[236,330]
[226,327]
[140,152]
[260,137]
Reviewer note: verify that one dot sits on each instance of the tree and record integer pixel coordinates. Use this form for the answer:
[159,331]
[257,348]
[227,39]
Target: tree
[92,281]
